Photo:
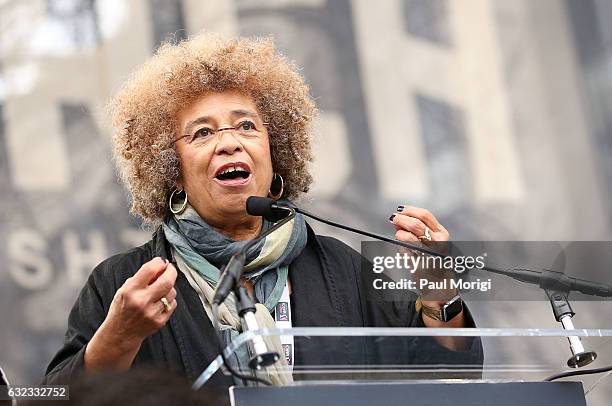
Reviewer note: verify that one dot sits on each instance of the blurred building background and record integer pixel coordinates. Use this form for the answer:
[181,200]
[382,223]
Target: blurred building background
[494,114]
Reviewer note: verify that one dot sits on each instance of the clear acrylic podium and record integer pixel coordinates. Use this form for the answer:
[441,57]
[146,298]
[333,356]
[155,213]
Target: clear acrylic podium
[394,366]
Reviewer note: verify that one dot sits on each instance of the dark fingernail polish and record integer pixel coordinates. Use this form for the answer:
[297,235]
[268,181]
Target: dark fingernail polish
[400,208]
[392,217]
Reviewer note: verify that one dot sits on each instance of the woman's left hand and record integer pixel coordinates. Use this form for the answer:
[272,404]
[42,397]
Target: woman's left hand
[415,224]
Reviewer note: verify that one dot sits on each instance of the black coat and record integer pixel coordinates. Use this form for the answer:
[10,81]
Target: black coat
[327,291]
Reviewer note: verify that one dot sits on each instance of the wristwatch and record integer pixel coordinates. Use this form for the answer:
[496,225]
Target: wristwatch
[448,312]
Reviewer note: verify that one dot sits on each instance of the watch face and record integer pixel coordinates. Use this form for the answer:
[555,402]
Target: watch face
[452,309]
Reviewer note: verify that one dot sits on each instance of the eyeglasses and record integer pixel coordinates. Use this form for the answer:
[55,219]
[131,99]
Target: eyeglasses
[245,128]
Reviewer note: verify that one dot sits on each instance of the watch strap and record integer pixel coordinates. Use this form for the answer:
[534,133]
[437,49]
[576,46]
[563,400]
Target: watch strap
[437,314]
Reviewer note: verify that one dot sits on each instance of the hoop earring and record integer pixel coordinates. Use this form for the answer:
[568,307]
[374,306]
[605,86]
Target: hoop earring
[276,196]
[183,206]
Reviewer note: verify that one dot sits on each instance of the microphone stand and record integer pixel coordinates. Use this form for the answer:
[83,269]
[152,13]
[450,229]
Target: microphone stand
[563,314]
[246,310]
[557,287]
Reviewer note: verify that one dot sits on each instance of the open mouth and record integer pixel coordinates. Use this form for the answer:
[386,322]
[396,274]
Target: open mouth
[233,173]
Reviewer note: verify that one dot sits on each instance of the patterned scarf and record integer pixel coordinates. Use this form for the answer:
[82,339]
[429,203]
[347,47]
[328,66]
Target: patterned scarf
[201,252]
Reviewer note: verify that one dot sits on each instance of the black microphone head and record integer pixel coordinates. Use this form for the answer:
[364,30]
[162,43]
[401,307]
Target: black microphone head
[259,206]
[266,208]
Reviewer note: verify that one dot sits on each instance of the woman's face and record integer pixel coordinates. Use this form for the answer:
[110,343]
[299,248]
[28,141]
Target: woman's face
[221,169]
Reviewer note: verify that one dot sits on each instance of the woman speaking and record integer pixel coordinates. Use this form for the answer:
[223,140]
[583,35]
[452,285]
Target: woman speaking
[199,128]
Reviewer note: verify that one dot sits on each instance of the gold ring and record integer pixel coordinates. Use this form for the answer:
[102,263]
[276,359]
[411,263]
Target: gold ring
[167,306]
[426,236]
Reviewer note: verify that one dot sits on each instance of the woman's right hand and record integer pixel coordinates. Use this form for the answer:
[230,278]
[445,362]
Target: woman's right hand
[135,313]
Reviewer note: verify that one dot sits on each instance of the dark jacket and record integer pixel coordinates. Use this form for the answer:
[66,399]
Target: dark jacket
[327,291]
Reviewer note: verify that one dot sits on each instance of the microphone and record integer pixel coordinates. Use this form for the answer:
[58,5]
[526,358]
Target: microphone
[271,210]
[266,208]
[546,279]
[556,285]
